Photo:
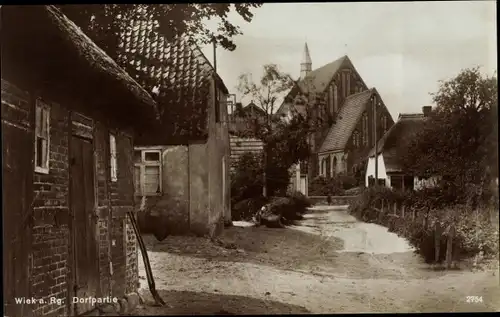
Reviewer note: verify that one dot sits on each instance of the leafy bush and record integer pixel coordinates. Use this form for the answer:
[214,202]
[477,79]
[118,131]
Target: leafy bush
[289,209]
[347,181]
[354,191]
[322,186]
[247,208]
[476,231]
[246,179]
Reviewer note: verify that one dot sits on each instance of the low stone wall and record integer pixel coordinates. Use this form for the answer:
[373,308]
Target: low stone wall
[335,200]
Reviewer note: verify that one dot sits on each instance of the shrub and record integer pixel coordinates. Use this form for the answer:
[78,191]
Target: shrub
[246,179]
[354,191]
[347,181]
[322,186]
[289,209]
[247,208]
[476,231]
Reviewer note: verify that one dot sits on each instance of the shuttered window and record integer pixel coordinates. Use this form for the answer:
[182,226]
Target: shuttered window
[42,137]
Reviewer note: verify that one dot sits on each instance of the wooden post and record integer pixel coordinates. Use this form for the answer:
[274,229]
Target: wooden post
[395,209]
[437,241]
[403,211]
[413,215]
[449,246]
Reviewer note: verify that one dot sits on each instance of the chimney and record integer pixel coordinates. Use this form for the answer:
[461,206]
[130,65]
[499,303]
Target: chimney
[427,110]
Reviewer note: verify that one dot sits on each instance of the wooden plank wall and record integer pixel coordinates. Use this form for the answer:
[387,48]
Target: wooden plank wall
[239,146]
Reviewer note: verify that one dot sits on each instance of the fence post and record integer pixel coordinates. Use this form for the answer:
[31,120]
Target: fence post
[449,246]
[437,241]
[403,211]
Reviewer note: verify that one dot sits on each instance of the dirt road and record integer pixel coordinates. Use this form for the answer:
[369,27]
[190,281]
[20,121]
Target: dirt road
[329,263]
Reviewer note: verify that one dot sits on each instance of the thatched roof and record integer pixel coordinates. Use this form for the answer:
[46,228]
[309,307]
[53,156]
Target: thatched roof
[396,138]
[42,42]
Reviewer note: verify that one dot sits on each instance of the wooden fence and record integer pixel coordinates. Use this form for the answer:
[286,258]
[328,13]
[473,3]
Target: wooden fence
[405,214]
[335,200]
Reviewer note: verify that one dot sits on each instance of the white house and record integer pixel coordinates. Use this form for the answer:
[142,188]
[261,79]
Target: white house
[389,169]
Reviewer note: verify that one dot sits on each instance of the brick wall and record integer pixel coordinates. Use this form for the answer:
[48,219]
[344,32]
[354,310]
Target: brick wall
[50,264]
[51,240]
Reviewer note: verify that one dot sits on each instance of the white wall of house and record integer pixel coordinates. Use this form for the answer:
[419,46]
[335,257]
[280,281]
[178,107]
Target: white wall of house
[298,181]
[370,170]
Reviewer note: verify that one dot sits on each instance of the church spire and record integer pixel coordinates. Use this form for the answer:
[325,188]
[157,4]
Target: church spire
[306,64]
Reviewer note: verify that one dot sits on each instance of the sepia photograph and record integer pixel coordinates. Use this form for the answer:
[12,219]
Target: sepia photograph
[249,158]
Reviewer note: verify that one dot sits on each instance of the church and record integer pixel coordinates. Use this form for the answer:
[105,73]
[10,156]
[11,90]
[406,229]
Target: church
[348,117]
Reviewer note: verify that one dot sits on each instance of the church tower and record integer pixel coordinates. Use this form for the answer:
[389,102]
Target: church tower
[306,64]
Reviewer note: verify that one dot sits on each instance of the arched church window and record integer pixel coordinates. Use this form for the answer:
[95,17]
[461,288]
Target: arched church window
[365,128]
[384,123]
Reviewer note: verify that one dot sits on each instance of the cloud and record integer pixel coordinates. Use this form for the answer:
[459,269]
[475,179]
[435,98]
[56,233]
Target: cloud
[402,48]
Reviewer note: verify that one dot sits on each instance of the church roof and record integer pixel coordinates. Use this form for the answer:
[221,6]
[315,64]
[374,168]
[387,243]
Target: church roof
[318,79]
[348,117]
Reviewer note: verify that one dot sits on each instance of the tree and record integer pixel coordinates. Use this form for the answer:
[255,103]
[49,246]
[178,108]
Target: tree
[285,141]
[104,23]
[459,141]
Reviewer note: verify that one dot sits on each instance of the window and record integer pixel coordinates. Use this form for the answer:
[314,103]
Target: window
[328,166]
[365,128]
[355,139]
[147,172]
[330,99]
[335,97]
[42,137]
[112,158]
[348,84]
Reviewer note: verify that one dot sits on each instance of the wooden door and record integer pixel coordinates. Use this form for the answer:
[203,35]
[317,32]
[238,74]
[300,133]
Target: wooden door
[85,242]
[17,191]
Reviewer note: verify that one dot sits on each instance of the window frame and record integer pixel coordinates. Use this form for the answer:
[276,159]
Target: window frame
[335,97]
[113,160]
[44,107]
[365,128]
[142,172]
[355,138]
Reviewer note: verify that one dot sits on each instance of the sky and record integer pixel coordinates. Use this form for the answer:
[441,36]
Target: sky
[401,48]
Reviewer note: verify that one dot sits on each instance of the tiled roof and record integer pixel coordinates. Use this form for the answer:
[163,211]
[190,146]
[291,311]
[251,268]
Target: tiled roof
[348,117]
[396,138]
[318,79]
[176,70]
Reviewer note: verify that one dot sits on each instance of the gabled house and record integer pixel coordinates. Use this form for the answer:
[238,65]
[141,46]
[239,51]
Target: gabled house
[390,170]
[69,117]
[330,92]
[243,119]
[349,140]
[182,168]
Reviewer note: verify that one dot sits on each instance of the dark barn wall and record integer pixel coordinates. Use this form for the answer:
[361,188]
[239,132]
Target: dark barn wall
[51,267]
